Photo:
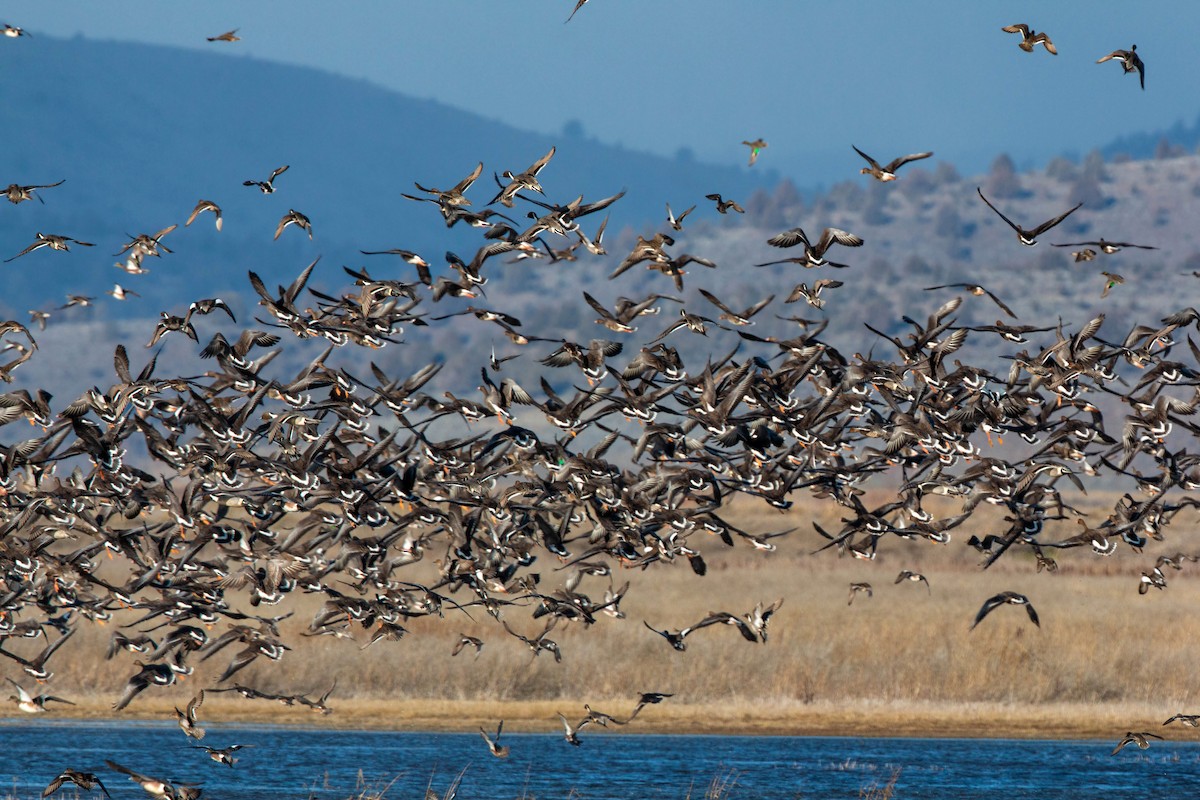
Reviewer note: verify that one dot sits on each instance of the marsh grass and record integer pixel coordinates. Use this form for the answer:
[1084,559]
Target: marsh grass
[1100,642]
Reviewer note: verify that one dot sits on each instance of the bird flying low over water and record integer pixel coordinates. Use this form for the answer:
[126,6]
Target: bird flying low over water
[1130,62]
[888,172]
[1028,237]
[493,742]
[1029,39]
[227,36]
[1135,737]
[1010,598]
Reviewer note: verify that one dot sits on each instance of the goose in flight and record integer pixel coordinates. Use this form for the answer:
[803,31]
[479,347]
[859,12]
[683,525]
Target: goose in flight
[814,254]
[1028,237]
[887,172]
[1010,598]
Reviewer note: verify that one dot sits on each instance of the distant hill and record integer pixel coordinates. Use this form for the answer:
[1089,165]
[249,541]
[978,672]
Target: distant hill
[140,133]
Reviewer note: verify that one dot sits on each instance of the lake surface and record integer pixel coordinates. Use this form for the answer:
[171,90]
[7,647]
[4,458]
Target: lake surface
[325,765]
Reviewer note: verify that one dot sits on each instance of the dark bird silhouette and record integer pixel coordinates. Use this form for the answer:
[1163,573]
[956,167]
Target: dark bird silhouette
[84,780]
[1010,598]
[1028,237]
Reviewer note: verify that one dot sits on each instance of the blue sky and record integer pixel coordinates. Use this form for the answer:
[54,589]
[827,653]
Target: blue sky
[810,78]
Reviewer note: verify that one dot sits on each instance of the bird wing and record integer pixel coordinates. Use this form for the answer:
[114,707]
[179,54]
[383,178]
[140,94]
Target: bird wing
[902,160]
[788,239]
[870,160]
[1050,223]
[1011,224]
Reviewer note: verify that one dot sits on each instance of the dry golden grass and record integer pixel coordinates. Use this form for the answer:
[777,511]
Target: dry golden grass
[903,661]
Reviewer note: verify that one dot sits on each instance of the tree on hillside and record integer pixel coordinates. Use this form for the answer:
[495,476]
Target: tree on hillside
[1062,169]
[1002,181]
[946,174]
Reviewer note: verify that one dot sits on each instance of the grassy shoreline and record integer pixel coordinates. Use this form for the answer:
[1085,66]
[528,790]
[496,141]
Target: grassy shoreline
[855,719]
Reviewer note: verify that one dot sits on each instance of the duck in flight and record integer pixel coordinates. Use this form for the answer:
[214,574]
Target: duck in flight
[1130,62]
[578,5]
[756,147]
[888,172]
[268,186]
[1135,737]
[16,193]
[51,240]
[976,290]
[1029,39]
[1028,237]
[1106,247]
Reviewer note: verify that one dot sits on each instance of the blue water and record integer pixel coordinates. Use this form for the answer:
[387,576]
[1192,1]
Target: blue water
[325,765]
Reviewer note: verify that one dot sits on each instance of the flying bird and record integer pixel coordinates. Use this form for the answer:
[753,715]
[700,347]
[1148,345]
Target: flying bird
[888,172]
[227,36]
[814,254]
[1135,737]
[1111,280]
[267,186]
[187,718]
[1029,39]
[1189,720]
[1130,62]
[756,147]
[51,240]
[725,206]
[1028,237]
[1010,598]
[294,217]
[201,207]
[915,577]
[16,193]
[84,780]
[976,290]
[493,743]
[1106,247]
[676,222]
[222,755]
[578,5]
[855,588]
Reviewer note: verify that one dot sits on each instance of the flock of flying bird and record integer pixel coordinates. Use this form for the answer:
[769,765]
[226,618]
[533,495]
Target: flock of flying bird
[247,487]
